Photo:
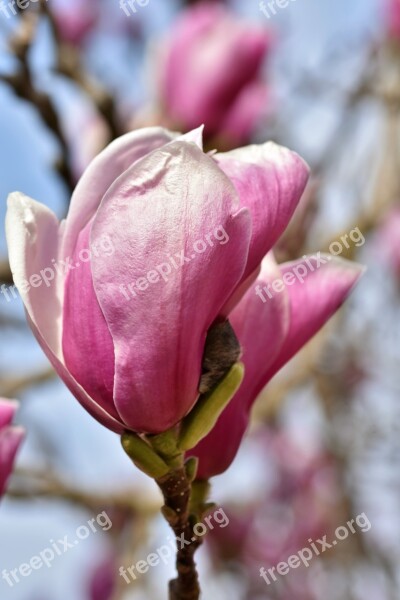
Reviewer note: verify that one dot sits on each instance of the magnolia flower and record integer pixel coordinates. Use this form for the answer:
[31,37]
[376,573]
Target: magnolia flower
[298,502]
[75,22]
[280,313]
[393,17]
[210,72]
[126,330]
[10,439]
[86,133]
[387,241]
[102,580]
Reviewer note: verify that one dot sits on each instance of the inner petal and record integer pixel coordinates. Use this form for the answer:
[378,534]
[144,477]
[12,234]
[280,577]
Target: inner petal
[87,343]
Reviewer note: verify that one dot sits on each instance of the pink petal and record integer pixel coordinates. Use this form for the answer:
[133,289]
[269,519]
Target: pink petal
[261,329]
[85,332]
[104,170]
[270,180]
[75,388]
[270,340]
[239,292]
[313,302]
[165,204]
[10,440]
[33,236]
[7,411]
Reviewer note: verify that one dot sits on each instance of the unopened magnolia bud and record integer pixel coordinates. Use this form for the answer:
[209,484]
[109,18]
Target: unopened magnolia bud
[201,420]
[144,456]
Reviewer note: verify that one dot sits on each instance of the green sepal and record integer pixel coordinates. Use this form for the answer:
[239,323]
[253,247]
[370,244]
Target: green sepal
[191,465]
[198,500]
[165,445]
[201,420]
[143,455]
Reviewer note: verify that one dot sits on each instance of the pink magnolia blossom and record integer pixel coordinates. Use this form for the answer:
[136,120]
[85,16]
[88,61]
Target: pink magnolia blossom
[134,362]
[298,500]
[210,73]
[272,327]
[393,18]
[102,582]
[387,241]
[86,133]
[75,22]
[10,440]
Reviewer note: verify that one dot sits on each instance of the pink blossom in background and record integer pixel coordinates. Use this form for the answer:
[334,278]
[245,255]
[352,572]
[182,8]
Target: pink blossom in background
[300,227]
[102,582]
[10,440]
[153,194]
[393,18]
[211,73]
[75,21]
[271,331]
[86,133]
[301,501]
[387,241]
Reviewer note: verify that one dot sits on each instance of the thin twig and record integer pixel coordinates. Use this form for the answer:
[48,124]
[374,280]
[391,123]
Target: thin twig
[30,484]
[13,386]
[22,83]
[69,64]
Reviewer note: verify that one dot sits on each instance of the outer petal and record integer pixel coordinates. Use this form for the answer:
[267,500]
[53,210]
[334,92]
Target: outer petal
[154,213]
[311,304]
[85,332]
[33,236]
[261,329]
[270,180]
[76,389]
[105,169]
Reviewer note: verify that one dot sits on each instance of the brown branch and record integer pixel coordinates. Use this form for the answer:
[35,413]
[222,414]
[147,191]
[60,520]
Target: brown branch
[70,65]
[29,484]
[176,490]
[23,86]
[12,386]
